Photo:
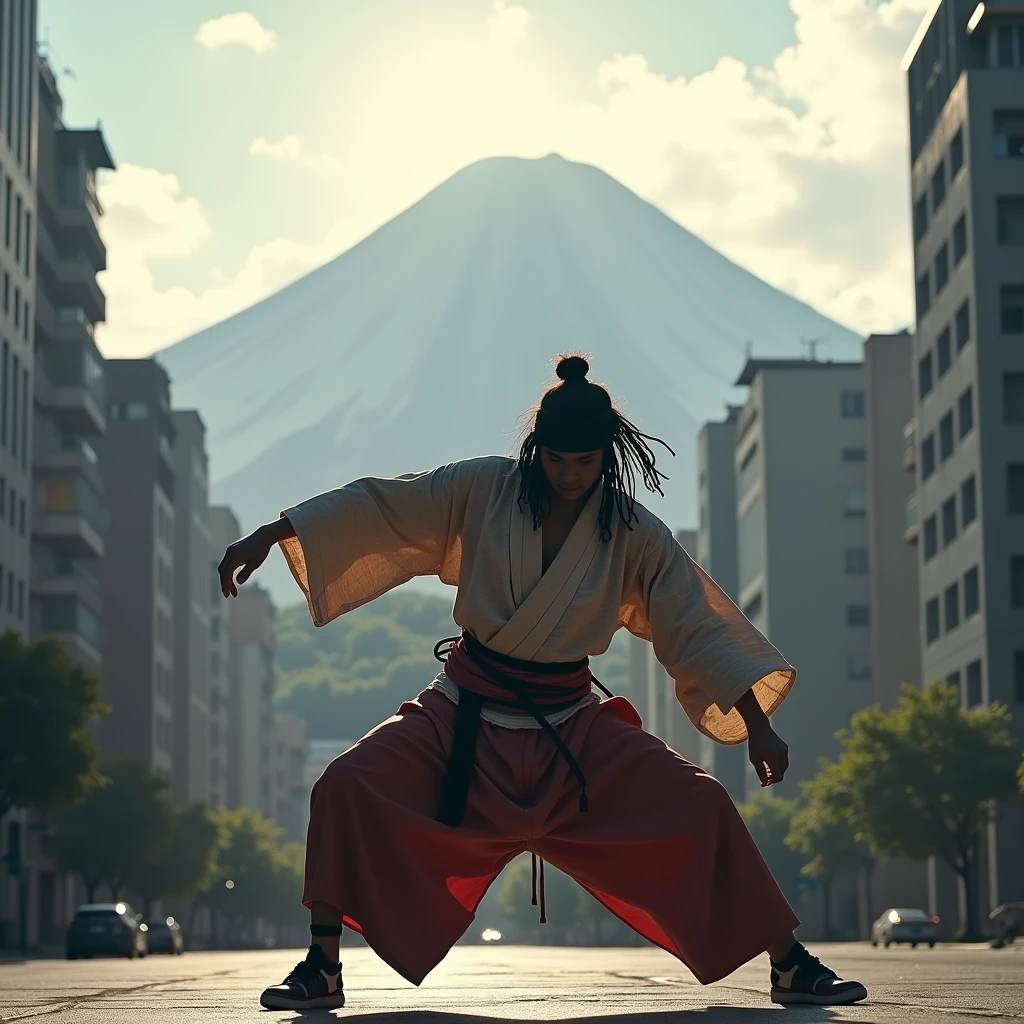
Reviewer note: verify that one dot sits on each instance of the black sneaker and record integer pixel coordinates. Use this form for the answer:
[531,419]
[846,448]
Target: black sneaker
[315,982]
[802,978]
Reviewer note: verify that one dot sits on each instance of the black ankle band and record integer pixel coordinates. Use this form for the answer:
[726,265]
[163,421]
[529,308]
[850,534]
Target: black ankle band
[324,930]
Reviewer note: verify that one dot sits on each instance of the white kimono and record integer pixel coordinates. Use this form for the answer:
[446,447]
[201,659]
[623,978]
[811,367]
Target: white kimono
[462,523]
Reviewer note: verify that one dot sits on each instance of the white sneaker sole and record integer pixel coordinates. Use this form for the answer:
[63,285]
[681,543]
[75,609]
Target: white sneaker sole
[272,1001]
[853,995]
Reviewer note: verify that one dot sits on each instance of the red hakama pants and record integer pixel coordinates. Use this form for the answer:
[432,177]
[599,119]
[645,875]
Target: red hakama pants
[662,845]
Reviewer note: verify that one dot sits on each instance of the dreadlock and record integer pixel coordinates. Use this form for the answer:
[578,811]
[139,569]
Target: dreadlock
[582,413]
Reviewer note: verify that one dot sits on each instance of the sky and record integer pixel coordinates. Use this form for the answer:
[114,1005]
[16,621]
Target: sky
[256,142]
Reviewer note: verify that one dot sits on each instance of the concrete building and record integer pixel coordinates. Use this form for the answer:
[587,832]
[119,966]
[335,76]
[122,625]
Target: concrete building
[965,72]
[716,554]
[18,174]
[70,518]
[891,565]
[191,586]
[250,717]
[802,540]
[136,574]
[291,796]
[222,529]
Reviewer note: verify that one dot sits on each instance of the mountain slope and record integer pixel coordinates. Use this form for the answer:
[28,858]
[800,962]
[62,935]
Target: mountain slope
[427,341]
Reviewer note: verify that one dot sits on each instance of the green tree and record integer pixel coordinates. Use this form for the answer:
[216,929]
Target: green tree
[114,827]
[1020,776]
[923,780]
[47,701]
[822,836]
[185,863]
[769,819]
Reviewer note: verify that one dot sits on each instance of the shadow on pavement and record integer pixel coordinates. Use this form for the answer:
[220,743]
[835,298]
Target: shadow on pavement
[701,1015]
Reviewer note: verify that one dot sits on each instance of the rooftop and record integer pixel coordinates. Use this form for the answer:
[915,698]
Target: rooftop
[755,366]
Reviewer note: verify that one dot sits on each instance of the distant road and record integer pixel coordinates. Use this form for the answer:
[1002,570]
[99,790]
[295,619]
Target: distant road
[949,985]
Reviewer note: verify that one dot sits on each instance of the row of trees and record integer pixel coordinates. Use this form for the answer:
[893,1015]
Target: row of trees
[923,780]
[113,824]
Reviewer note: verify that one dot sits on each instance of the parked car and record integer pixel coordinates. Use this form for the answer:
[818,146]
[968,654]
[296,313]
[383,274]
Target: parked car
[164,936]
[1005,924]
[106,928]
[903,924]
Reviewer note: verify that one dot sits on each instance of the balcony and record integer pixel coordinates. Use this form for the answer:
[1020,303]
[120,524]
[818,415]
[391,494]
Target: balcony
[910,445]
[912,522]
[69,578]
[77,395]
[70,516]
[68,454]
[76,284]
[68,619]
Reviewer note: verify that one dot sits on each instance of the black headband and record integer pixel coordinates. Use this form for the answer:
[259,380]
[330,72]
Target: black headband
[575,433]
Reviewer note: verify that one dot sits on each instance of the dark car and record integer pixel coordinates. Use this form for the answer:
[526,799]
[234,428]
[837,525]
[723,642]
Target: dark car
[1005,924]
[164,936]
[112,929]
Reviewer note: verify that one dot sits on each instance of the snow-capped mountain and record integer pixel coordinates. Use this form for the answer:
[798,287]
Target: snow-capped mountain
[428,341]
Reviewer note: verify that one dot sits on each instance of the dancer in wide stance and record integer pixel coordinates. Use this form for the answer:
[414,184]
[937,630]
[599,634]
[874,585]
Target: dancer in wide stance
[510,749]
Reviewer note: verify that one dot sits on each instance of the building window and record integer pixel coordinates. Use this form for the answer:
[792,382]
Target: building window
[857,561]
[931,620]
[939,185]
[858,668]
[1011,308]
[1009,134]
[953,680]
[1018,675]
[927,456]
[956,154]
[920,218]
[858,615]
[959,240]
[923,294]
[1015,489]
[963,326]
[941,268]
[1013,397]
[948,522]
[946,436]
[944,353]
[965,409]
[1004,46]
[931,538]
[951,599]
[1010,220]
[974,695]
[972,593]
[856,506]
[968,502]
[924,376]
[852,404]
[1017,581]
[855,454]
[750,469]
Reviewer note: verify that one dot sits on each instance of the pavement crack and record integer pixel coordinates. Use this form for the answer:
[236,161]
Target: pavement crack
[75,1001]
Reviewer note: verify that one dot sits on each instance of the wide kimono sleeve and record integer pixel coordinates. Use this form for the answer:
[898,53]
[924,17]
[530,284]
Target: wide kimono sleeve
[706,644]
[356,542]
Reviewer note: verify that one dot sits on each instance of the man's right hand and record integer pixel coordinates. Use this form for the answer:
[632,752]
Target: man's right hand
[247,554]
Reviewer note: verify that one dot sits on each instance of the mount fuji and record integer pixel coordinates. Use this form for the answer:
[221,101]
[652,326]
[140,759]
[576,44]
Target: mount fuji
[429,340]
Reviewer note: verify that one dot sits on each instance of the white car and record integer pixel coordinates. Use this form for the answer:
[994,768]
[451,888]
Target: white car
[902,924]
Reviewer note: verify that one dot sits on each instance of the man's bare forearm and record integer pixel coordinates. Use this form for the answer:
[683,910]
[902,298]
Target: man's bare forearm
[277,531]
[751,712]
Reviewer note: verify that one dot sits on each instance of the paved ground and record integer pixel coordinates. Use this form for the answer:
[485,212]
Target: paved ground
[636,986]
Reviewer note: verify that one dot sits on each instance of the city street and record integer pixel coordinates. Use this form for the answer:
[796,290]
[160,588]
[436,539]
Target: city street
[949,984]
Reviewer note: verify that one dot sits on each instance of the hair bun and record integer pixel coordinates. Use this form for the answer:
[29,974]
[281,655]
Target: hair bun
[572,368]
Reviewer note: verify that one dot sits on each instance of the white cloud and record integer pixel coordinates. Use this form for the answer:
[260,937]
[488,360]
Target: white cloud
[508,23]
[798,171]
[239,29]
[291,149]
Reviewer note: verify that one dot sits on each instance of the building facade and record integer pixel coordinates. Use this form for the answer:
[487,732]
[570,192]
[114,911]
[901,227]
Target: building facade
[190,572]
[715,553]
[137,573]
[965,74]
[291,797]
[802,541]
